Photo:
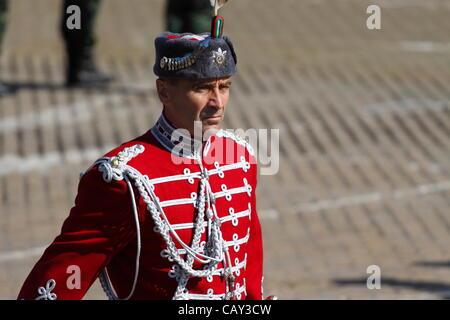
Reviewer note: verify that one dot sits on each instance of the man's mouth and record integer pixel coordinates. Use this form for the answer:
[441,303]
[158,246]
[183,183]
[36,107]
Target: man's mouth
[212,118]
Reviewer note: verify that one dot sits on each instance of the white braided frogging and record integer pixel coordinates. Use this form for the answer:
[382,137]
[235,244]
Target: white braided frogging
[46,292]
[215,249]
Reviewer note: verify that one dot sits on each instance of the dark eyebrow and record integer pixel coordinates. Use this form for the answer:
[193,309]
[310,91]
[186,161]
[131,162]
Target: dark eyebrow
[202,84]
[209,83]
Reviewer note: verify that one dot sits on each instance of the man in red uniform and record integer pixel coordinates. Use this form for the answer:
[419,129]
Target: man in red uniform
[170,214]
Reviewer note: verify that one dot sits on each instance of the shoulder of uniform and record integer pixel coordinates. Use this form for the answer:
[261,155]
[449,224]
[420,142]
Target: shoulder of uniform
[122,155]
[113,163]
[239,139]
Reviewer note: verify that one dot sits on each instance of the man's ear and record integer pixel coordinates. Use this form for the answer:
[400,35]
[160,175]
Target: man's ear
[163,91]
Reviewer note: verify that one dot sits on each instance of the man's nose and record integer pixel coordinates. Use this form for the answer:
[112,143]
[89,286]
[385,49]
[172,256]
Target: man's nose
[216,98]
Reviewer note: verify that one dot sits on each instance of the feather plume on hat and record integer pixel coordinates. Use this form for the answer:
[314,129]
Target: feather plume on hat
[217,4]
[217,21]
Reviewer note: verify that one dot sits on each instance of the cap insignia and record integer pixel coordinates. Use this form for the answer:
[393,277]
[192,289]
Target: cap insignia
[219,56]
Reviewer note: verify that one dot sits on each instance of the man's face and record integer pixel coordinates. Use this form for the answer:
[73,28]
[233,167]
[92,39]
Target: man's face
[187,101]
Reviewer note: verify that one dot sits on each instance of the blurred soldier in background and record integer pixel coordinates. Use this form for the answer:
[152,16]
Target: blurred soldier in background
[188,16]
[182,16]
[79,45]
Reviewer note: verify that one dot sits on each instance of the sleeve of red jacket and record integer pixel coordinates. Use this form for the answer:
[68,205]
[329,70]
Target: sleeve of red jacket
[254,269]
[99,225]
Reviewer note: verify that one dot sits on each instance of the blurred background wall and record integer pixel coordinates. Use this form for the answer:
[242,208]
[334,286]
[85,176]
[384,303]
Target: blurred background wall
[364,120]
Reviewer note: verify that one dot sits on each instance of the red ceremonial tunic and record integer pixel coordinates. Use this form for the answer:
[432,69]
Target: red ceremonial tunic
[192,228]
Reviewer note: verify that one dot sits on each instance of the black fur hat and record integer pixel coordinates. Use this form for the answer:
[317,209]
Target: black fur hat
[194,56]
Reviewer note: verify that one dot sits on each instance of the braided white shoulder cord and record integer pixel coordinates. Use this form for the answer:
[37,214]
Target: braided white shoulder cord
[215,242]
[104,278]
[181,291]
[217,235]
[111,171]
[215,246]
[142,183]
[215,250]
[163,226]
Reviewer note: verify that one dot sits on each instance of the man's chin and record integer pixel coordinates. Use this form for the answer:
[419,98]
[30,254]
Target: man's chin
[211,127]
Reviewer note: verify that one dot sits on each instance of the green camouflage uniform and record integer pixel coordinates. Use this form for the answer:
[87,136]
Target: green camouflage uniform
[80,42]
[74,38]
[188,16]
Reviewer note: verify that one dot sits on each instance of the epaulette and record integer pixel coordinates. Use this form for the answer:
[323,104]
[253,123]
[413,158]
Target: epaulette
[126,155]
[113,167]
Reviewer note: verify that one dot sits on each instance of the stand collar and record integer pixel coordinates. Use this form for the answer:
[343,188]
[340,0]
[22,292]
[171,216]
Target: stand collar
[178,141]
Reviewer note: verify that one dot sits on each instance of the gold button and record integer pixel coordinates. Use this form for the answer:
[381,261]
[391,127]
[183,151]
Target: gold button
[115,163]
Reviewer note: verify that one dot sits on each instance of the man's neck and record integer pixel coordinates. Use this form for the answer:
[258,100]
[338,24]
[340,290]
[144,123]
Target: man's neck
[173,123]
